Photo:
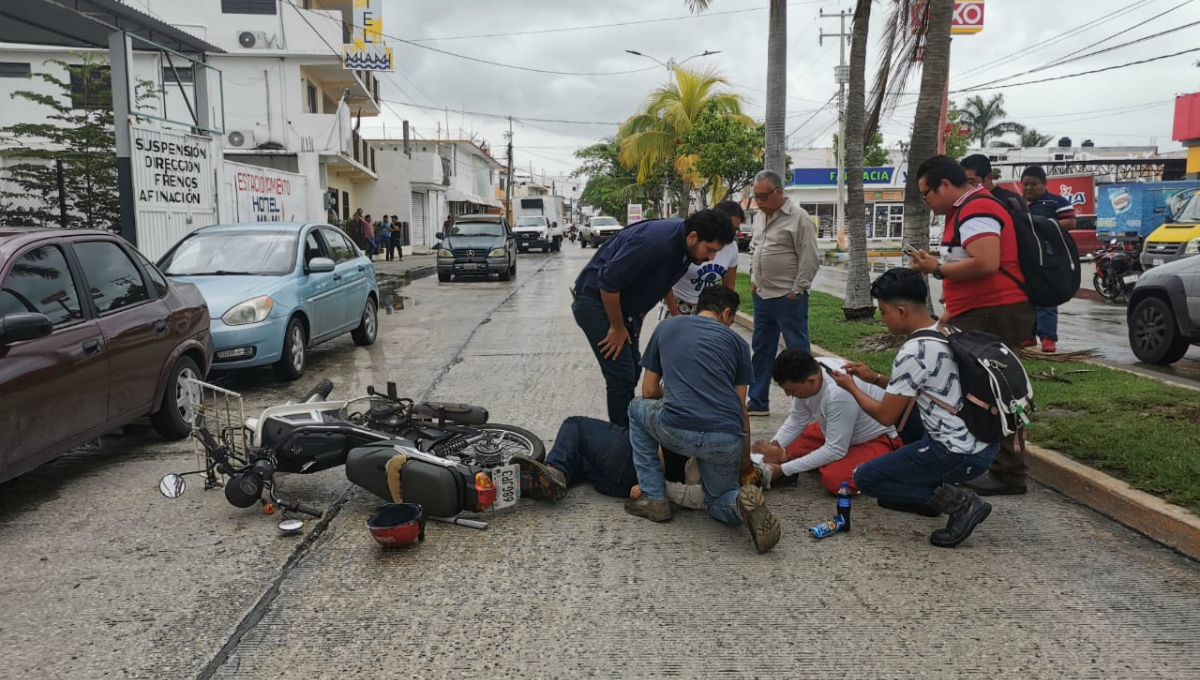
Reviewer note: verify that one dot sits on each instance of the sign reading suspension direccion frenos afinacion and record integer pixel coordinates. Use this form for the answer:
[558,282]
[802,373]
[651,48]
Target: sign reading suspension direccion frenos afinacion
[171,170]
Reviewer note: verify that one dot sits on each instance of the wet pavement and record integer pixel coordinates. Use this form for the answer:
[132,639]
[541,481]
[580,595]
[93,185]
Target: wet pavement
[1087,322]
[105,578]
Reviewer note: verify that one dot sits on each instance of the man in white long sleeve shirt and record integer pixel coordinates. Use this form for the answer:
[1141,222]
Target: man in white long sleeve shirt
[826,429]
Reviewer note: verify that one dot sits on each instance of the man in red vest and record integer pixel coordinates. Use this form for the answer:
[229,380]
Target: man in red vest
[979,253]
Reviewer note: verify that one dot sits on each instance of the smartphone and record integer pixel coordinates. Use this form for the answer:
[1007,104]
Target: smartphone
[909,250]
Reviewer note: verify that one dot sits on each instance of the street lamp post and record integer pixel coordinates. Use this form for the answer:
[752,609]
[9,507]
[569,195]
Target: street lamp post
[671,64]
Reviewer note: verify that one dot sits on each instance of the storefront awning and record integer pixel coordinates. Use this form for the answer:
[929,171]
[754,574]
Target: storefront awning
[454,195]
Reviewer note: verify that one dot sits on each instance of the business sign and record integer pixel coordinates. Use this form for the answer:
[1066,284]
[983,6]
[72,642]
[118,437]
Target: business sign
[968,17]
[1079,189]
[828,176]
[633,213]
[265,195]
[366,50]
[173,186]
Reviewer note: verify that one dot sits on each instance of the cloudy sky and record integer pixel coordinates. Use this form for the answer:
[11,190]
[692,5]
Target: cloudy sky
[1128,106]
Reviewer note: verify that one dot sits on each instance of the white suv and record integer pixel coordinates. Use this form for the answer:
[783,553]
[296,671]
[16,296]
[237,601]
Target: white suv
[599,230]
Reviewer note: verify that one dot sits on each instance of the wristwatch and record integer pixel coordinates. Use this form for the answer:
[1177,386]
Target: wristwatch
[937,273]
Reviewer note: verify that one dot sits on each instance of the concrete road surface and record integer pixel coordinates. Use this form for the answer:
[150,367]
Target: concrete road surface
[104,578]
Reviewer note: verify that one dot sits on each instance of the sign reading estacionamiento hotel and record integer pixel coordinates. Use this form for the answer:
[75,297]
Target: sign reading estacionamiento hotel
[172,170]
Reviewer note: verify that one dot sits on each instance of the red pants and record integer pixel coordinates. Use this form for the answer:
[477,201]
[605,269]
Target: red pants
[833,474]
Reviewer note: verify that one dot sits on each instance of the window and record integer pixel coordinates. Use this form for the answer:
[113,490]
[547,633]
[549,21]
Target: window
[248,6]
[185,73]
[9,69]
[312,99]
[345,205]
[115,282]
[156,278]
[41,283]
[91,88]
[312,247]
[340,247]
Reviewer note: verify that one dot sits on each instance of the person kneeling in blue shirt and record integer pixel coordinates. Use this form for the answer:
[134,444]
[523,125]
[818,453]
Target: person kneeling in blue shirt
[701,413]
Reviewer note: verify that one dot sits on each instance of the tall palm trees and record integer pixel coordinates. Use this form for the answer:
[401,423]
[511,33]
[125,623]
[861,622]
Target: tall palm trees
[986,119]
[656,134]
[776,142]
[857,302]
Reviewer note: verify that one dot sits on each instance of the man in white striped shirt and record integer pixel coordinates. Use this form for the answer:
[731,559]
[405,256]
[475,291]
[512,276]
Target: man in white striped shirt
[826,430]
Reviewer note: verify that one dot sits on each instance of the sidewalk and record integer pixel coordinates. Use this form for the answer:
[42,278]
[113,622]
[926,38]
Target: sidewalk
[413,266]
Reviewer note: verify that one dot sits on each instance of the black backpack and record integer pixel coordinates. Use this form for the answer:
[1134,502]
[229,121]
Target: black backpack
[1048,255]
[997,394]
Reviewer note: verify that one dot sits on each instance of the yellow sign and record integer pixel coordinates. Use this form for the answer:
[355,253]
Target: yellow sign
[366,50]
[1193,159]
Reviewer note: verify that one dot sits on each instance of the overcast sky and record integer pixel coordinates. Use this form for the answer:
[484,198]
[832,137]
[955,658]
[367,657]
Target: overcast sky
[1019,35]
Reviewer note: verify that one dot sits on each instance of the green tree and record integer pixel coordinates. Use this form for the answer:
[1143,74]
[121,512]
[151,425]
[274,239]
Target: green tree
[986,118]
[611,186]
[77,130]
[656,135]
[724,150]
[1032,138]
[958,141]
[876,155]
[776,135]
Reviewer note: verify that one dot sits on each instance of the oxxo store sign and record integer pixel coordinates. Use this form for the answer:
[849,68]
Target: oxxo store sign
[172,186]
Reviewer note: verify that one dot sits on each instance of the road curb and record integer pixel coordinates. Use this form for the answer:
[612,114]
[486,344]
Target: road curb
[1166,523]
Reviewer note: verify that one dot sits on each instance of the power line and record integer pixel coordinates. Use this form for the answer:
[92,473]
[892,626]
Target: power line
[569,29]
[814,115]
[1082,73]
[504,116]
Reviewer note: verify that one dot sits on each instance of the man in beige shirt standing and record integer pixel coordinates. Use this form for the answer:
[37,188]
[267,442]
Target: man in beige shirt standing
[782,270]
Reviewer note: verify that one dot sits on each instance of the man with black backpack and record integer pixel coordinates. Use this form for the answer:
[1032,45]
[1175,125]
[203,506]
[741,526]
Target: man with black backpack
[961,438]
[982,281]
[1050,206]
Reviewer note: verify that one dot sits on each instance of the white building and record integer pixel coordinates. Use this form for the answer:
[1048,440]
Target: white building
[813,186]
[288,103]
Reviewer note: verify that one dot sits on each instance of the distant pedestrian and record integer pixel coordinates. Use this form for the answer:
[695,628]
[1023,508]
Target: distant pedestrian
[782,270]
[355,228]
[980,173]
[625,279]
[981,282]
[384,237]
[1044,203]
[397,241]
[369,236]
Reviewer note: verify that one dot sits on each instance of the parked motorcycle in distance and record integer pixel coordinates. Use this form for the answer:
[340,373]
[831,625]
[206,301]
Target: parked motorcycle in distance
[456,461]
[1117,270]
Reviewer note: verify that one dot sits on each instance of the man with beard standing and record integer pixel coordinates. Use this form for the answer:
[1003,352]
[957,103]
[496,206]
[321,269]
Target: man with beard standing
[625,279]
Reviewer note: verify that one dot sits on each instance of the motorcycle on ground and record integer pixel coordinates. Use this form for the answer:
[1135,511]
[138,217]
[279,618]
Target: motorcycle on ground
[1118,268]
[449,458]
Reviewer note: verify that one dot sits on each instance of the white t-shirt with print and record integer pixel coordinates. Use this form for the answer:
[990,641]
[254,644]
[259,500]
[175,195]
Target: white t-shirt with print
[701,276]
[925,367]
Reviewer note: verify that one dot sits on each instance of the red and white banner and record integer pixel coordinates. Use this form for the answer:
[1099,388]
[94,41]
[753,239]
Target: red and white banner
[968,17]
[1079,189]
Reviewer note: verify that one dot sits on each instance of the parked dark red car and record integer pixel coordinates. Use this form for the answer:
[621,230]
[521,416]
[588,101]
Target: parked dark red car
[92,337]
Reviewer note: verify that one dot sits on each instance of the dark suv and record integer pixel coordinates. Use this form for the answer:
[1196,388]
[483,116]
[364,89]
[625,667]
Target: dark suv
[92,337]
[1164,312]
[477,245]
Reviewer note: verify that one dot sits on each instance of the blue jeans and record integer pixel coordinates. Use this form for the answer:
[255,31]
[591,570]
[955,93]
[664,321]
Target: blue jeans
[596,451]
[718,456]
[1046,326]
[620,375]
[911,473]
[770,318]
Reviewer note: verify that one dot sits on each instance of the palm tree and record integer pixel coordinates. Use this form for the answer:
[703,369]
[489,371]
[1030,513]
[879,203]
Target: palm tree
[656,134]
[986,119]
[775,151]
[1032,138]
[857,304]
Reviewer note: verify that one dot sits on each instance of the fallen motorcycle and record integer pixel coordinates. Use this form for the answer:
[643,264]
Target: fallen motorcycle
[449,458]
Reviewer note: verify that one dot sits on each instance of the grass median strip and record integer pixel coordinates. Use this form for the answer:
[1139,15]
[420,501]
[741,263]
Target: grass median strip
[1140,429]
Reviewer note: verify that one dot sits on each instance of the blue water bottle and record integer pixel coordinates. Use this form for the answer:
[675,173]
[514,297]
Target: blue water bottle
[843,504]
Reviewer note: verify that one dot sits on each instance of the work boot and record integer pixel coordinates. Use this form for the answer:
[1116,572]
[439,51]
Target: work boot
[655,511]
[966,510]
[922,509]
[546,481]
[988,484]
[764,527]
[1049,346]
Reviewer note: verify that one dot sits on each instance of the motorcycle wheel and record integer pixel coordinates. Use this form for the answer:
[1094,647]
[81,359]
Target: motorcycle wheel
[516,440]
[1106,291]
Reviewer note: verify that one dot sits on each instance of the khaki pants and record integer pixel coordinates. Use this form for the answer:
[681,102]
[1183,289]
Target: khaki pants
[1012,324]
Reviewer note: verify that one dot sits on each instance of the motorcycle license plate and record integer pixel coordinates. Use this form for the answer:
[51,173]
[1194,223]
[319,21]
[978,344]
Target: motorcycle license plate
[1158,262]
[1131,278]
[508,486]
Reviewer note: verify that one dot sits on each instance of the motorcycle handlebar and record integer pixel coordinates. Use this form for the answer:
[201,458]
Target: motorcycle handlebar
[319,392]
[301,508]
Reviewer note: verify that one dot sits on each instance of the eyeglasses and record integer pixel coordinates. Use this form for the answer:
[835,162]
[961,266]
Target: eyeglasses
[925,194]
[974,181]
[765,196]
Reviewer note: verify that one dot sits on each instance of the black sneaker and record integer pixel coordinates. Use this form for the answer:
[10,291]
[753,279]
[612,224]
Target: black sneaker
[548,482]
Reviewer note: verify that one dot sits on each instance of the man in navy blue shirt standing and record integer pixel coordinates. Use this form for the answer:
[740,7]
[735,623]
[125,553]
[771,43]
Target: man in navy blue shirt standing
[1044,203]
[629,276]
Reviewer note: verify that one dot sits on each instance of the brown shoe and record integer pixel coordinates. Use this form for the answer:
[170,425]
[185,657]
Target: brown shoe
[655,511]
[549,483]
[764,527]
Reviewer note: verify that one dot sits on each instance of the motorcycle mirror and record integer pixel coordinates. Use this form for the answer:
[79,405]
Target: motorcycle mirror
[1112,242]
[172,486]
[291,526]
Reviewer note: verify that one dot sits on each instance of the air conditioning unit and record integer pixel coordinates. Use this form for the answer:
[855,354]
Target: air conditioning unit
[240,138]
[254,40]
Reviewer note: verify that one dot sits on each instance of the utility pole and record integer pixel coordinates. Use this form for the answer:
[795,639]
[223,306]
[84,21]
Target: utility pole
[509,181]
[841,76]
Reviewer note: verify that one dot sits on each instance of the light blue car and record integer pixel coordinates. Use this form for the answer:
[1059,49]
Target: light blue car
[275,289]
